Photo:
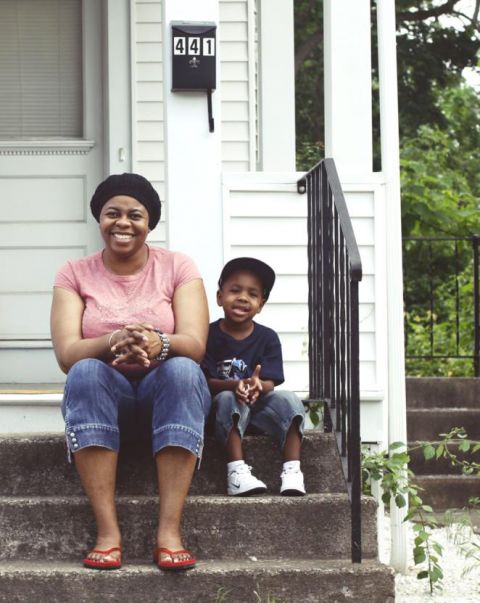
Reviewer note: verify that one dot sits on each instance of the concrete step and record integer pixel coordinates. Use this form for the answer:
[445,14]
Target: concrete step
[36,465]
[295,581]
[427,424]
[440,466]
[443,392]
[221,527]
[444,492]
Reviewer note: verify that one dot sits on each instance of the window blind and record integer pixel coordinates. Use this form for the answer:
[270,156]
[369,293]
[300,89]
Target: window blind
[41,91]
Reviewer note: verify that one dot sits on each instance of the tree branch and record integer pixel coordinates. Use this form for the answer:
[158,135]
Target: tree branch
[306,48]
[436,11]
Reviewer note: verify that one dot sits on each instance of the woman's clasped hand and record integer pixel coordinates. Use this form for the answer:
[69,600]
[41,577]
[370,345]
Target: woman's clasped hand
[135,344]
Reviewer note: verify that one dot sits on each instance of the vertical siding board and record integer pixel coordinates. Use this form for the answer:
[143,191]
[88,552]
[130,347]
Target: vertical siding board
[147,98]
[235,37]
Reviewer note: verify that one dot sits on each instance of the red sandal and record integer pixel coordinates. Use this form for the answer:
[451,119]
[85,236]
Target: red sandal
[173,565]
[103,564]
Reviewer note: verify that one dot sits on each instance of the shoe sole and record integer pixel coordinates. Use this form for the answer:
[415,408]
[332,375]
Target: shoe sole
[176,567]
[292,493]
[258,490]
[105,568]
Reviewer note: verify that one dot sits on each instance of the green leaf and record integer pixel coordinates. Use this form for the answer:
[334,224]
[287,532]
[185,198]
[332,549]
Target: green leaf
[314,417]
[429,452]
[416,501]
[439,451]
[400,501]
[422,575]
[419,556]
[436,574]
[420,539]
[427,508]
[464,445]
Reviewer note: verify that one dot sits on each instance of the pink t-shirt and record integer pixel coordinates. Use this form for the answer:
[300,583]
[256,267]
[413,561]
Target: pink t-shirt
[112,300]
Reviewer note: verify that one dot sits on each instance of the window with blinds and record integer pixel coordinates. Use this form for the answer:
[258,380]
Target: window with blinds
[41,91]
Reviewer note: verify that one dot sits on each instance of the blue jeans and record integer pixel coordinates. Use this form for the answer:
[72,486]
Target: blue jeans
[272,413]
[101,406]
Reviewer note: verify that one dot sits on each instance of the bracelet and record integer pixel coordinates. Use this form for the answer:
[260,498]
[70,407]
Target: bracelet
[111,337]
[165,346]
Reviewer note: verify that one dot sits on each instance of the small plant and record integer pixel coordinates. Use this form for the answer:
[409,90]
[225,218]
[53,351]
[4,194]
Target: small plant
[391,470]
[462,534]
[270,598]
[221,596]
[315,412]
[458,438]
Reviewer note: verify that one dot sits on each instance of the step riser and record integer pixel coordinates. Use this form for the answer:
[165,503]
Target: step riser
[447,492]
[38,467]
[221,528]
[375,586]
[428,425]
[448,392]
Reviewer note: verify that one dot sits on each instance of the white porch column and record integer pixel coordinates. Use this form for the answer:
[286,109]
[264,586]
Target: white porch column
[277,86]
[387,56]
[193,185]
[348,85]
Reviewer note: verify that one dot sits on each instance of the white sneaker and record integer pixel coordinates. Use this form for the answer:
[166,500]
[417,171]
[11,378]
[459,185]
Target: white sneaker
[292,483]
[241,482]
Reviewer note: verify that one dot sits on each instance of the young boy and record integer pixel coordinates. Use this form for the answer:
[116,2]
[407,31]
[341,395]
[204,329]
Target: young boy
[243,364]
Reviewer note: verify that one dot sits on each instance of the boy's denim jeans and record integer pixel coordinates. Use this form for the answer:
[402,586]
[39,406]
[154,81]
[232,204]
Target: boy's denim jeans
[170,404]
[272,413]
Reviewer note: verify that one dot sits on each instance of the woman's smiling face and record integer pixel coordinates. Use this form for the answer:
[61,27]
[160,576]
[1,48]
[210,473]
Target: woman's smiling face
[124,225]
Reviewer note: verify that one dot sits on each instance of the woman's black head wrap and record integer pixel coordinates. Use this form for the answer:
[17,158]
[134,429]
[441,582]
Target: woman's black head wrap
[131,185]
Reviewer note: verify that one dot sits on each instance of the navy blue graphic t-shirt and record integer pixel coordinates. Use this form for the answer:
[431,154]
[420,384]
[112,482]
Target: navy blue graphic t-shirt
[230,358]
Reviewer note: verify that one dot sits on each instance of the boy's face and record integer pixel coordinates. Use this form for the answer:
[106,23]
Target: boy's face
[241,296]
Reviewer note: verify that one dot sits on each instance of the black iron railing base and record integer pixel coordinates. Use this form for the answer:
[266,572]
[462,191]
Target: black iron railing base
[334,272]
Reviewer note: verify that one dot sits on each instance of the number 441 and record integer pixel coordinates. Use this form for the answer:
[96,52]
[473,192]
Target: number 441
[194,46]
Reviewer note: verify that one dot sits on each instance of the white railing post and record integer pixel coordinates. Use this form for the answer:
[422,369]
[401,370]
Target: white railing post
[390,145]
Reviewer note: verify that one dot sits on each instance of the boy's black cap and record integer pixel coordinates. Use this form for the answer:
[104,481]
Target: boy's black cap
[262,270]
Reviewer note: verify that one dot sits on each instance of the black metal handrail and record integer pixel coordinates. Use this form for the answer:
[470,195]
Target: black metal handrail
[454,258]
[334,271]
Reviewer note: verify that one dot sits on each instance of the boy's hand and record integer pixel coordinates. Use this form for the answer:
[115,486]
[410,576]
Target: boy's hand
[254,385]
[242,392]
[248,390]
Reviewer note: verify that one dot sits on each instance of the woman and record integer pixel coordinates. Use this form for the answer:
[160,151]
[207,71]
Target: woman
[129,327]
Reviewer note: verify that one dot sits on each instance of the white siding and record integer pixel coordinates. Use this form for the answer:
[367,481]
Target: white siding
[236,85]
[147,99]
[270,224]
[265,217]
